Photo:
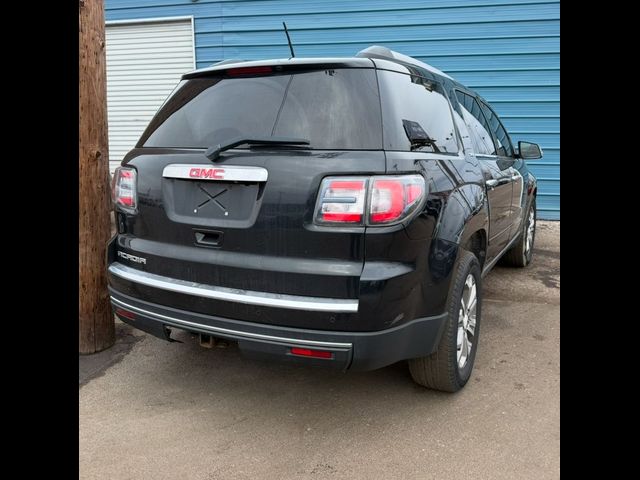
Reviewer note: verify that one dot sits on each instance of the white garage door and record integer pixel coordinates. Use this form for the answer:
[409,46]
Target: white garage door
[144,63]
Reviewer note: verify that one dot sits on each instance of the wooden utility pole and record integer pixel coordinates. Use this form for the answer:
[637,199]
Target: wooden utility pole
[97,329]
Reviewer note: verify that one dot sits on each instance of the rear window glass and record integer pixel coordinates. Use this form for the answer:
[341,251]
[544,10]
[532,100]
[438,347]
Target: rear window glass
[421,101]
[333,109]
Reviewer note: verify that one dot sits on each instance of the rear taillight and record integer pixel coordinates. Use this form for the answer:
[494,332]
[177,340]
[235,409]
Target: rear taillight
[378,200]
[342,200]
[394,198]
[124,187]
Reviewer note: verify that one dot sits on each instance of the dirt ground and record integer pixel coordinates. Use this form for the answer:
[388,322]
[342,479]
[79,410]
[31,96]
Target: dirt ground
[156,410]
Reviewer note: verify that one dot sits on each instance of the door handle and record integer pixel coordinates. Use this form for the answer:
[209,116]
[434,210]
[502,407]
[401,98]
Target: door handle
[208,238]
[493,183]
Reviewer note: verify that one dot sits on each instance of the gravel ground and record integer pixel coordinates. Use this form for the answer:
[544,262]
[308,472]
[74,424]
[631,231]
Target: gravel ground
[158,410]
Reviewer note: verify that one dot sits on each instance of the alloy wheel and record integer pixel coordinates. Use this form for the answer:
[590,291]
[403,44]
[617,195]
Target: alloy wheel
[531,227]
[467,320]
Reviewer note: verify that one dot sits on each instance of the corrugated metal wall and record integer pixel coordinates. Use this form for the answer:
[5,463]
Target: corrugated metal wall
[507,50]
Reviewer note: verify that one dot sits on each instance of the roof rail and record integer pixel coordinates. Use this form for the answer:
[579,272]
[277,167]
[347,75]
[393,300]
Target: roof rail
[376,51]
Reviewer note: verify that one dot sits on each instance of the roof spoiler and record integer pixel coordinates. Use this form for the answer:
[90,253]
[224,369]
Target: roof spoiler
[224,62]
[384,53]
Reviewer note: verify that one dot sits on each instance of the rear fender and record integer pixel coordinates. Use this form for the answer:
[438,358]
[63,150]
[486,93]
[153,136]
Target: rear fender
[464,213]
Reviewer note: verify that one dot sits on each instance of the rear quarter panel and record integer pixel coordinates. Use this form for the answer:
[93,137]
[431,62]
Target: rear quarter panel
[454,209]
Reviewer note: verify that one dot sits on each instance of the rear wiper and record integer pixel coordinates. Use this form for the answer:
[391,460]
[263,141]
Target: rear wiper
[417,136]
[431,142]
[213,153]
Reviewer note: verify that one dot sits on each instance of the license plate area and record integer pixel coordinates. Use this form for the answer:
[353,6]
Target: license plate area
[212,203]
[202,195]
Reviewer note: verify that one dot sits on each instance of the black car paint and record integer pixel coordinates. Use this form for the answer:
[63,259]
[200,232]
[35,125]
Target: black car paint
[401,274]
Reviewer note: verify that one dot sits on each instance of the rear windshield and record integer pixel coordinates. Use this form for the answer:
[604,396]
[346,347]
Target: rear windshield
[333,109]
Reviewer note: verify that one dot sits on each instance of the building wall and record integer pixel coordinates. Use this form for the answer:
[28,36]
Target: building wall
[507,50]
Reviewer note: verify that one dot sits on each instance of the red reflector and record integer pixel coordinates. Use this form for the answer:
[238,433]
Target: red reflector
[249,70]
[123,313]
[305,352]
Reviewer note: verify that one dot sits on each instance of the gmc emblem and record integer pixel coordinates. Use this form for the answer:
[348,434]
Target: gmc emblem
[215,173]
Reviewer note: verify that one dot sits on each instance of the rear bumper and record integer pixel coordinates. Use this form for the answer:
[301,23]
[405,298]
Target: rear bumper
[350,350]
[300,292]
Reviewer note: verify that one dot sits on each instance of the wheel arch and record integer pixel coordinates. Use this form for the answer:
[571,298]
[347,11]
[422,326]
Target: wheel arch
[476,243]
[466,212]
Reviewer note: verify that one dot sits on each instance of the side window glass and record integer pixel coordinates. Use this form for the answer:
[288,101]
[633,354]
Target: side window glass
[465,136]
[478,127]
[504,144]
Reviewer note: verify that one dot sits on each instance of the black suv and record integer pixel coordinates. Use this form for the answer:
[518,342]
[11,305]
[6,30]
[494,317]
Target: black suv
[332,211]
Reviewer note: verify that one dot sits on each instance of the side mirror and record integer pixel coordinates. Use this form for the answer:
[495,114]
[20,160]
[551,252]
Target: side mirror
[529,151]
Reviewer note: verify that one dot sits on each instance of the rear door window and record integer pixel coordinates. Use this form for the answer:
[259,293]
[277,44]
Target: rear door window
[477,124]
[333,108]
[504,143]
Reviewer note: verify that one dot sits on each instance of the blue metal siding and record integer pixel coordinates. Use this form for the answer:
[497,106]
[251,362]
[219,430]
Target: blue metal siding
[507,50]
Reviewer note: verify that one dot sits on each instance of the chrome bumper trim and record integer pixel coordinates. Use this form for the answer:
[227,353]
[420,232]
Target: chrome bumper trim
[265,299]
[226,331]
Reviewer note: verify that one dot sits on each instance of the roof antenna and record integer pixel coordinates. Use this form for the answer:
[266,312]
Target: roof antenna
[288,39]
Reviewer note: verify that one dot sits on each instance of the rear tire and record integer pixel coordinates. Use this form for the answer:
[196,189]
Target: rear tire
[521,254]
[449,367]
